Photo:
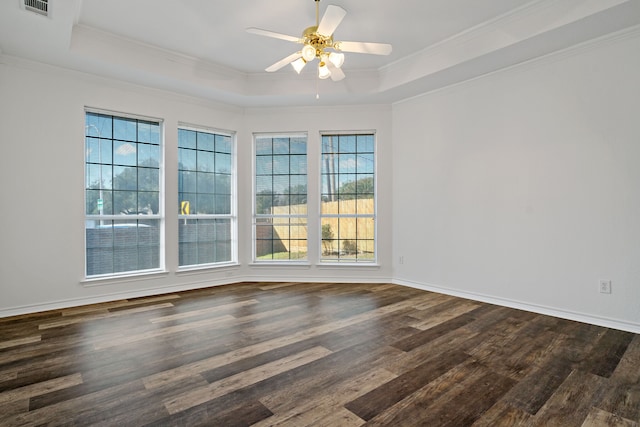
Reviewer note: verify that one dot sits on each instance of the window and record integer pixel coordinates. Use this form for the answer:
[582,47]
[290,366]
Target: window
[348,198]
[280,220]
[205,197]
[122,194]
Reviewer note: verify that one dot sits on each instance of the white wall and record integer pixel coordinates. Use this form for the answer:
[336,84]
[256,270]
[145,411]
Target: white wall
[42,184]
[523,187]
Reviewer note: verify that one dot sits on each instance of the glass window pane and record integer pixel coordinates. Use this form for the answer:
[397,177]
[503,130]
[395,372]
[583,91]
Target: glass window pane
[223,163]
[125,202]
[125,178]
[264,184]
[281,165]
[148,155]
[148,132]
[186,138]
[223,205]
[298,164]
[124,129]
[205,204]
[365,163]
[281,146]
[206,161]
[206,141]
[280,183]
[186,159]
[206,183]
[148,202]
[264,146]
[365,143]
[264,203]
[223,144]
[124,153]
[347,163]
[187,182]
[187,203]
[347,144]
[223,184]
[148,179]
[298,146]
[98,125]
[264,165]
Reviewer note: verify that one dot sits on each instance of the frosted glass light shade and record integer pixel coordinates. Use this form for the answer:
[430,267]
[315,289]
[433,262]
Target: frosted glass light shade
[308,53]
[336,59]
[323,71]
[298,64]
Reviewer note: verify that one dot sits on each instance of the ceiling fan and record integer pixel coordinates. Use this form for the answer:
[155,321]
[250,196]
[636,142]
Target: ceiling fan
[318,43]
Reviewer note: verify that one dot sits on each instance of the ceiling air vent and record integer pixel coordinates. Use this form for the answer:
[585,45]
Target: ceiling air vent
[38,6]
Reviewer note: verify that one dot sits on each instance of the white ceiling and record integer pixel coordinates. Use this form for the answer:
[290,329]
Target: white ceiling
[201,48]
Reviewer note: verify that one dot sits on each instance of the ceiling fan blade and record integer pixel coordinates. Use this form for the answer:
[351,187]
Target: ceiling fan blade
[288,60]
[336,73]
[267,33]
[361,47]
[330,20]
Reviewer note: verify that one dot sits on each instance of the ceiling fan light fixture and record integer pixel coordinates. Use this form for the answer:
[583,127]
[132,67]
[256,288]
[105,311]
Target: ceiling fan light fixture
[308,52]
[336,59]
[323,71]
[298,64]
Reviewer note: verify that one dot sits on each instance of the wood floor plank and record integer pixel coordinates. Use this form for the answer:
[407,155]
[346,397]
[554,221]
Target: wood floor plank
[118,304]
[103,315]
[608,351]
[623,400]
[330,399]
[442,317]
[503,415]
[386,395]
[572,401]
[28,391]
[336,378]
[252,350]
[207,311]
[128,339]
[243,379]
[627,370]
[599,418]
[20,341]
[469,385]
[304,354]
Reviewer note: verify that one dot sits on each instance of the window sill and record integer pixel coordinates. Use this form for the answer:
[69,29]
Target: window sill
[203,269]
[123,278]
[291,264]
[368,265]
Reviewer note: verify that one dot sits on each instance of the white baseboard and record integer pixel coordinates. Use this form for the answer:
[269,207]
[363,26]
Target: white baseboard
[76,302]
[549,311]
[534,308]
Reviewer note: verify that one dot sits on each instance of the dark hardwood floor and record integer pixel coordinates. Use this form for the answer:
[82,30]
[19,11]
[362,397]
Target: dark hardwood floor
[296,354]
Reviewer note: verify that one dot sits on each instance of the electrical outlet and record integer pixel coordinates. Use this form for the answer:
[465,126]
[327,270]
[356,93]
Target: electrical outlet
[401,260]
[605,286]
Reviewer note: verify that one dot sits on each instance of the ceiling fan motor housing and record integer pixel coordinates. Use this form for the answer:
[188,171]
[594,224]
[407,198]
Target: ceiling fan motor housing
[312,38]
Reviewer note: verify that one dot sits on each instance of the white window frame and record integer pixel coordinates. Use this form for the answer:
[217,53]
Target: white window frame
[232,216]
[325,261]
[256,216]
[159,216]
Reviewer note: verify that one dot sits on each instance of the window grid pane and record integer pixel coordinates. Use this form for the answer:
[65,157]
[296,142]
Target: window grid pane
[280,221]
[122,177]
[205,197]
[348,198]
